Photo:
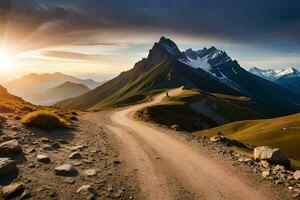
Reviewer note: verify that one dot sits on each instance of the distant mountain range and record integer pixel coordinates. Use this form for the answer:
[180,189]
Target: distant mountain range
[60,92]
[35,87]
[288,78]
[208,69]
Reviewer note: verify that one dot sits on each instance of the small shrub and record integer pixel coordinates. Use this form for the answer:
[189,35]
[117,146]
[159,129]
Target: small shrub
[45,119]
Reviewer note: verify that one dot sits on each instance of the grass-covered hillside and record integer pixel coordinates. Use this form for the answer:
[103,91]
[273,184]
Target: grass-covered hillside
[282,132]
[196,110]
[15,108]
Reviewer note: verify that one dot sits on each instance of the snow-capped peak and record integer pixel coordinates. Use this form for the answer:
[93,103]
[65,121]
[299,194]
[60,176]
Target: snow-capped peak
[274,74]
[205,58]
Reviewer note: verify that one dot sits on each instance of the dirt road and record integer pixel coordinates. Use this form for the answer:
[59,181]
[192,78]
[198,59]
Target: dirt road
[168,167]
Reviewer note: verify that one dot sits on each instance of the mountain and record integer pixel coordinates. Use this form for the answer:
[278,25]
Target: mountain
[288,78]
[30,86]
[7,96]
[61,92]
[210,70]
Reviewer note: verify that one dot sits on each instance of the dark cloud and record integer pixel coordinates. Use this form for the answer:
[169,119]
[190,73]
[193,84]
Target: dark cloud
[259,22]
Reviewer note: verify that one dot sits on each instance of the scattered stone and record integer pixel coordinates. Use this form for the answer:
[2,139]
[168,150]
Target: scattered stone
[217,138]
[175,127]
[278,168]
[265,173]
[265,163]
[7,166]
[296,175]
[296,195]
[77,147]
[77,163]
[5,138]
[48,147]
[13,190]
[66,170]
[25,195]
[43,158]
[278,182]
[9,148]
[45,140]
[117,162]
[90,172]
[273,156]
[15,128]
[87,189]
[55,145]
[75,155]
[61,141]
[70,180]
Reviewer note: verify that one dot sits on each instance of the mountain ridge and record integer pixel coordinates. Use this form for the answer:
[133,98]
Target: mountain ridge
[288,78]
[167,67]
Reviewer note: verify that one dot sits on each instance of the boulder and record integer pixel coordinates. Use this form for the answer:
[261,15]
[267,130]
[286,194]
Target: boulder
[7,166]
[10,148]
[273,156]
[296,175]
[13,190]
[43,158]
[66,170]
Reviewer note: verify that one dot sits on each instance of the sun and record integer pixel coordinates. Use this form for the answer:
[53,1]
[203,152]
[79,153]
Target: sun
[4,61]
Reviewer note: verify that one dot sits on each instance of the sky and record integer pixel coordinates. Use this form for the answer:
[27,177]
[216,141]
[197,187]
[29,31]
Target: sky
[100,38]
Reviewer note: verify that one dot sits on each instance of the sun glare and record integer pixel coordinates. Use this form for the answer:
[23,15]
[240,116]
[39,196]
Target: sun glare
[4,61]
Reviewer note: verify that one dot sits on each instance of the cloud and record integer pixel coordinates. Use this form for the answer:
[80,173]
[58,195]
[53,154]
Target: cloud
[41,23]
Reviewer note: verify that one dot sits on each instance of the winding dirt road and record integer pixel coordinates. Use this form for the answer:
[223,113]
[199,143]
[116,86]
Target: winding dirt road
[168,167]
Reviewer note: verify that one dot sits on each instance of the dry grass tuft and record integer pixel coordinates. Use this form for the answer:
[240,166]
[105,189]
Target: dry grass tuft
[46,120]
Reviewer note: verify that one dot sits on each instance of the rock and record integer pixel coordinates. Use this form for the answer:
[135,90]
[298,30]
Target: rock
[87,189]
[90,172]
[70,180]
[25,195]
[296,195]
[273,156]
[5,138]
[13,190]
[175,127]
[66,170]
[217,138]
[278,168]
[7,166]
[296,175]
[9,148]
[45,140]
[118,161]
[265,173]
[265,163]
[75,155]
[77,147]
[55,145]
[61,141]
[48,147]
[43,158]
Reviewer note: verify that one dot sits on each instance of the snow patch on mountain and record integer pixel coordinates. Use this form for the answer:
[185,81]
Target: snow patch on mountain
[274,74]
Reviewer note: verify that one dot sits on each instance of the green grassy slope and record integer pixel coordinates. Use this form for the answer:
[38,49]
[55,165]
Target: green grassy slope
[179,111]
[282,132]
